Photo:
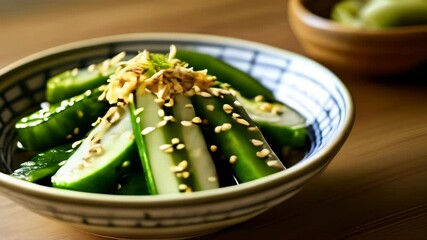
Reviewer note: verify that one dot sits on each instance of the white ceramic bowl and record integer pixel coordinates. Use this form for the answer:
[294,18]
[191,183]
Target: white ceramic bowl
[303,84]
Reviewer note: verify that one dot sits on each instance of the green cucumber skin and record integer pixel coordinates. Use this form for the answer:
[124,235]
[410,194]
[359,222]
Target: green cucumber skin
[60,124]
[203,169]
[390,13]
[225,73]
[380,14]
[236,141]
[44,164]
[103,172]
[67,84]
[159,162]
[285,129]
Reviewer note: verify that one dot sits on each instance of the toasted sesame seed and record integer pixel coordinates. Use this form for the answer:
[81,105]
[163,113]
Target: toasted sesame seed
[74,72]
[189,105]
[175,141]
[80,114]
[162,123]
[212,179]
[185,174]
[205,94]
[76,143]
[235,115]
[170,103]
[186,123]
[227,108]
[182,187]
[233,159]
[169,118]
[147,130]
[263,153]
[164,147]
[138,111]
[253,129]
[76,131]
[69,136]
[183,164]
[210,107]
[161,113]
[267,107]
[217,129]
[213,148]
[242,121]
[257,142]
[196,120]
[125,164]
[274,163]
[91,68]
[180,146]
[259,98]
[226,127]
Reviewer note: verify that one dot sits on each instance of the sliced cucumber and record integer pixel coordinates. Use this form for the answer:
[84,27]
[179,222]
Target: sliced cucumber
[280,124]
[99,172]
[203,167]
[44,164]
[60,123]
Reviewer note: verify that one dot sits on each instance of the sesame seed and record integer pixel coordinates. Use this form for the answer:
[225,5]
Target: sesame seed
[242,121]
[175,141]
[180,146]
[74,72]
[185,174]
[162,123]
[263,153]
[147,130]
[138,111]
[76,131]
[170,103]
[233,159]
[186,123]
[212,179]
[76,143]
[274,163]
[237,103]
[257,142]
[196,120]
[91,68]
[267,107]
[138,120]
[80,113]
[182,187]
[253,129]
[189,105]
[259,98]
[226,127]
[217,129]
[169,118]
[69,136]
[213,148]
[165,147]
[161,113]
[125,164]
[205,94]
[210,107]
[235,115]
[227,108]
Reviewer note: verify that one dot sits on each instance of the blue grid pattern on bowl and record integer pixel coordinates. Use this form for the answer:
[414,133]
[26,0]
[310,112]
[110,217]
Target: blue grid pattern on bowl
[288,76]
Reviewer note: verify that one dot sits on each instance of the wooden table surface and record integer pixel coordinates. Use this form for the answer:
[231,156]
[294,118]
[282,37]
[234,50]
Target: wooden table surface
[375,188]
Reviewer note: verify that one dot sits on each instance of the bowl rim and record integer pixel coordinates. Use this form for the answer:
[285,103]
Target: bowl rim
[225,193]
[298,9]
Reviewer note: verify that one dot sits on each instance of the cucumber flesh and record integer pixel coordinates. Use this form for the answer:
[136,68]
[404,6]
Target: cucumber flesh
[100,172]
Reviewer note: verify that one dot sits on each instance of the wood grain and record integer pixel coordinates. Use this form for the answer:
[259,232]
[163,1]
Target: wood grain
[375,188]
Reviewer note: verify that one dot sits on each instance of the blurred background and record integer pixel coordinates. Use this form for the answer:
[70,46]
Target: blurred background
[34,25]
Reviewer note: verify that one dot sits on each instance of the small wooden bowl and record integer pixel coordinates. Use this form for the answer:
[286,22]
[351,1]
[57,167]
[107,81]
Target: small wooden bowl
[355,50]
